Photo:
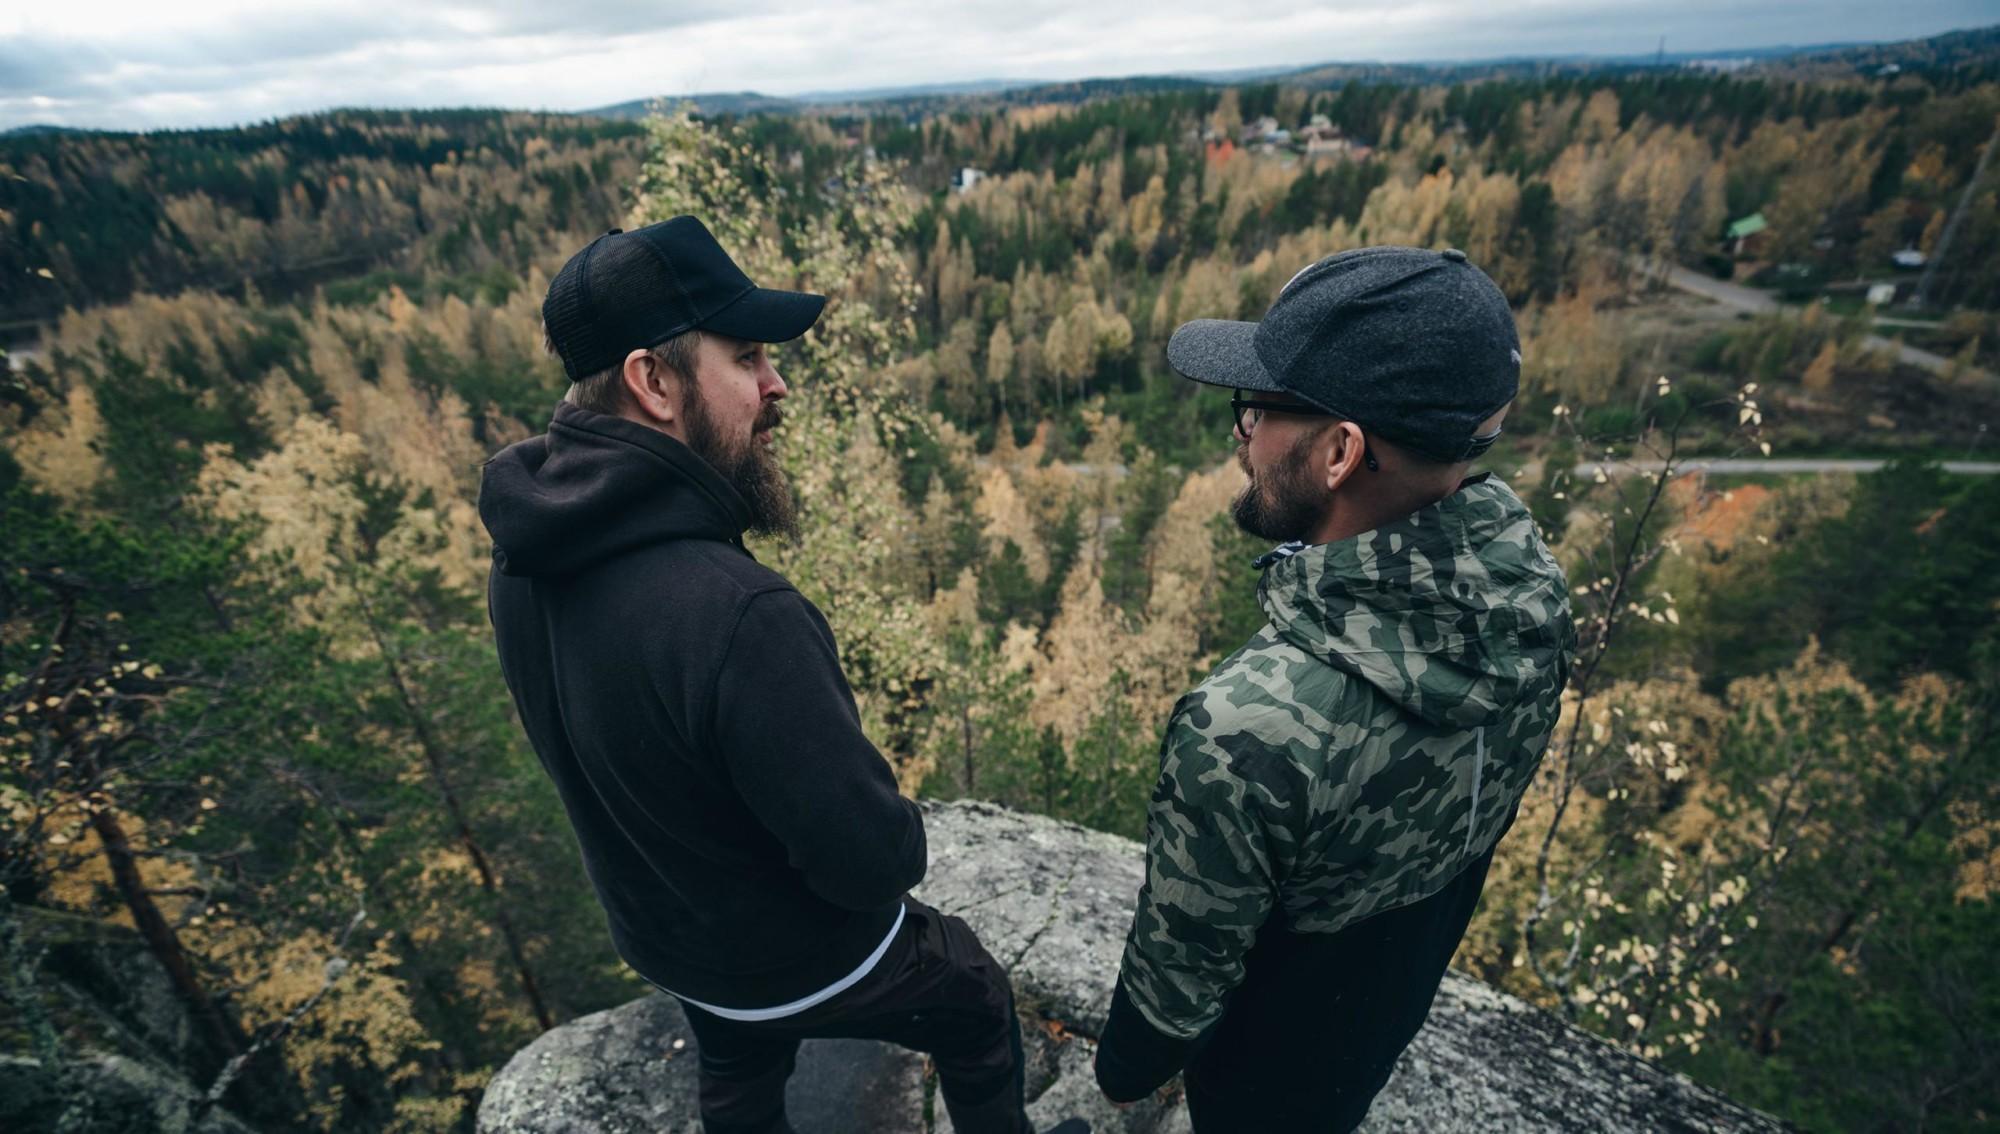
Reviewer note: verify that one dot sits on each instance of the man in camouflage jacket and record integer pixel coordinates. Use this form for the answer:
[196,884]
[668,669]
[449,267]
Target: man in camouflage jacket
[1330,797]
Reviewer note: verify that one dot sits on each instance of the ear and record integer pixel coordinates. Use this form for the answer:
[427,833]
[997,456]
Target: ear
[1345,446]
[650,389]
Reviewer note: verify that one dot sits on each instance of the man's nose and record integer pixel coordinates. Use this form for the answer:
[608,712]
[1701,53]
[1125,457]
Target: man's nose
[773,385]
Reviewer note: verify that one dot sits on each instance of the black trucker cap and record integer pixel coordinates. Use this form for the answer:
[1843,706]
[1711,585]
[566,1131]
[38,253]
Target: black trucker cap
[1418,346]
[628,290]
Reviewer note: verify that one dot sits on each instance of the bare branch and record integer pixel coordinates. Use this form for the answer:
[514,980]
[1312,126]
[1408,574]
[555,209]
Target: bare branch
[336,967]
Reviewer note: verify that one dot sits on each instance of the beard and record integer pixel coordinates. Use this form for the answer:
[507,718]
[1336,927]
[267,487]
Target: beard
[1284,504]
[747,464]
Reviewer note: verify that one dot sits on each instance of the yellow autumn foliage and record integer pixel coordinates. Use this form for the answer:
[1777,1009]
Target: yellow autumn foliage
[61,454]
[1004,517]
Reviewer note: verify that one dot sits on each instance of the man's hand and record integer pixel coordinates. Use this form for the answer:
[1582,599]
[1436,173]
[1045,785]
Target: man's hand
[1114,1102]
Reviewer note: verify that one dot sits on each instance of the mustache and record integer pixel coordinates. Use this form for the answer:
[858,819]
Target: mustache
[770,417]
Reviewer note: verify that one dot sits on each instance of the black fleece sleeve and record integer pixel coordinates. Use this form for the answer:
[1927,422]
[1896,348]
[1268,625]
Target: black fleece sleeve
[786,724]
[1134,1058]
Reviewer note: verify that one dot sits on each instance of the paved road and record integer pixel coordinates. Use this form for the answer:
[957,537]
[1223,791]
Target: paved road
[1721,291]
[1779,465]
[1750,299]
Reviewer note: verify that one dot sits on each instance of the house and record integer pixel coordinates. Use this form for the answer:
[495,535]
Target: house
[1908,258]
[1748,236]
[1319,126]
[1335,147]
[1259,129]
[1321,136]
[1881,294]
[1219,150]
[966,178]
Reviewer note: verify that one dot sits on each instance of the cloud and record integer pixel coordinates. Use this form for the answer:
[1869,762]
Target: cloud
[124,64]
[135,56]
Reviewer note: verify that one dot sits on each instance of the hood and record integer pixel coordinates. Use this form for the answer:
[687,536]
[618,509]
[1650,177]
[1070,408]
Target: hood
[1450,611]
[596,486]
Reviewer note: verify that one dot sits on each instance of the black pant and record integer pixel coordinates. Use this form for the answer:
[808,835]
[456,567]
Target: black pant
[1313,1032]
[936,990]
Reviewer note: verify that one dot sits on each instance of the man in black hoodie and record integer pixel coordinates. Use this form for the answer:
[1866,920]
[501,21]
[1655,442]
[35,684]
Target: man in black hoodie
[747,842]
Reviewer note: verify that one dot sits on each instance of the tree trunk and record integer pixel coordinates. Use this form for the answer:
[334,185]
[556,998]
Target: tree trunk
[1764,1037]
[223,1038]
[160,936]
[434,761]
[965,731]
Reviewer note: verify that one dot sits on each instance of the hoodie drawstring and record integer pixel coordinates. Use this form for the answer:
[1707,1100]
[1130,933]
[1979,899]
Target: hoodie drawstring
[1478,766]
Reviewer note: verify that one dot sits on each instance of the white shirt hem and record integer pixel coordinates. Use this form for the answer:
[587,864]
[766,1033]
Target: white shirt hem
[804,1002]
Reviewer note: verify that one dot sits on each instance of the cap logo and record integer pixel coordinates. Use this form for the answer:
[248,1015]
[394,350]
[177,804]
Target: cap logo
[1516,355]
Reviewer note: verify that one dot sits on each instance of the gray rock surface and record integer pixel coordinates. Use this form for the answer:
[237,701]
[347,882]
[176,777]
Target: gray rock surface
[1053,901]
[104,1093]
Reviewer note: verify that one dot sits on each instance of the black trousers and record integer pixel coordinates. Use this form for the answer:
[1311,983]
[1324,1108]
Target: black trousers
[936,990]
[1313,1032]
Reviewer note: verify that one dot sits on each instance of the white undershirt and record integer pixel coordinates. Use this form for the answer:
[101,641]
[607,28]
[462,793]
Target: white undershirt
[804,1002]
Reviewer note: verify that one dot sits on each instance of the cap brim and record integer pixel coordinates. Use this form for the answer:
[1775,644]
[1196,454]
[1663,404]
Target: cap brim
[1219,352]
[763,315]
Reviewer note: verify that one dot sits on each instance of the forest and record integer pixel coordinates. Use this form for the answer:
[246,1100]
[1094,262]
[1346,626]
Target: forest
[257,762]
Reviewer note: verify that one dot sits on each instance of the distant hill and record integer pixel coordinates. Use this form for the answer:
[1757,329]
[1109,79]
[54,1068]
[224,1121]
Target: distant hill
[1961,49]
[918,98]
[1038,94]
[1532,66]
[919,90]
[37,128]
[89,217]
[712,102]
[1974,53]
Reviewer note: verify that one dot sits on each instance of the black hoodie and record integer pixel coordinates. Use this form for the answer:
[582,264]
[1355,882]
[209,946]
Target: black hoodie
[746,840]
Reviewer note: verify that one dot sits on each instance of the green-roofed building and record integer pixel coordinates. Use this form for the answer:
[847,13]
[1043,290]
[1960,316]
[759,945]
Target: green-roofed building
[1742,232]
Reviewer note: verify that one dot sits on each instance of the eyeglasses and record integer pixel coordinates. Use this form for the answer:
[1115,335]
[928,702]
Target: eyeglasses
[1250,411]
[1480,444]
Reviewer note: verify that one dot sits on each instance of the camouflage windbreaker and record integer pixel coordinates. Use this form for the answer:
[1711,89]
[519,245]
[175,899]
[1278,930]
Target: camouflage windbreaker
[1372,739]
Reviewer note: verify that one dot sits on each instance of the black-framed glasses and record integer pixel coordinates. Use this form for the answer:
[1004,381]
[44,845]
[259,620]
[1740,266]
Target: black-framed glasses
[1249,411]
[1478,445]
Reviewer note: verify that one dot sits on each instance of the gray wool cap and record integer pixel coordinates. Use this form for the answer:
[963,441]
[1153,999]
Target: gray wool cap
[1415,345]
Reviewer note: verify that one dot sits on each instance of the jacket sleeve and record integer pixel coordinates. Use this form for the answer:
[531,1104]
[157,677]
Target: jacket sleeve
[1210,885]
[788,730]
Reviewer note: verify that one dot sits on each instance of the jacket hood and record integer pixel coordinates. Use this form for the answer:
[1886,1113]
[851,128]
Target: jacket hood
[1450,611]
[596,486]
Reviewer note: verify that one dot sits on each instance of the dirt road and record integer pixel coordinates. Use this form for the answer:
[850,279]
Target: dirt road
[1750,299]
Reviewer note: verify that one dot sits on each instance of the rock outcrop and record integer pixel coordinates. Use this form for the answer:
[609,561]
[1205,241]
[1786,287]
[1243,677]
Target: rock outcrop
[126,1036]
[102,1093]
[1054,901]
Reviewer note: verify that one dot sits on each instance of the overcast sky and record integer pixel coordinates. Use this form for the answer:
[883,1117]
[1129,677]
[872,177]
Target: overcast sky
[128,65]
